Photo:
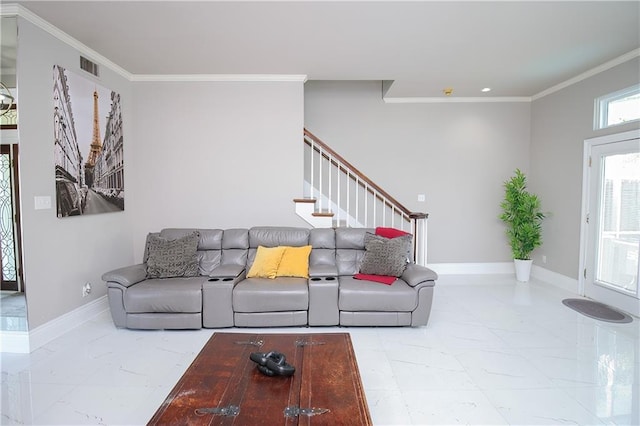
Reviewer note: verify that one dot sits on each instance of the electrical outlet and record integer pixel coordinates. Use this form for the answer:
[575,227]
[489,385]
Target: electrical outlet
[421,198]
[544,258]
[86,289]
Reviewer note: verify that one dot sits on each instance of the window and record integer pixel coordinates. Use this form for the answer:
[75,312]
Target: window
[618,107]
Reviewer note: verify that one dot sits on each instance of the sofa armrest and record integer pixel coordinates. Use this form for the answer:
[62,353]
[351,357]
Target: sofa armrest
[227,271]
[128,275]
[416,274]
[323,271]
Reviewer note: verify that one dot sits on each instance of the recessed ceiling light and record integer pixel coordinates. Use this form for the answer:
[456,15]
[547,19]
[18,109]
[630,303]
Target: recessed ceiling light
[486,89]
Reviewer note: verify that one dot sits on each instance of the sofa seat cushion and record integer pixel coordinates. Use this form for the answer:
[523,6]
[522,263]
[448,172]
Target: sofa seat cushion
[360,295]
[271,295]
[179,295]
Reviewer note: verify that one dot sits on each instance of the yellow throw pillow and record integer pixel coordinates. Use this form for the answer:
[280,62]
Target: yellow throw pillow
[266,263]
[295,262]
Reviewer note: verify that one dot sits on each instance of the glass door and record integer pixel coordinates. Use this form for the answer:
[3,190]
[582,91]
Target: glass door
[9,219]
[613,222]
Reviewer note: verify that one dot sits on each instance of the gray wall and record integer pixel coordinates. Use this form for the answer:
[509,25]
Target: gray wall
[560,124]
[215,154]
[61,255]
[457,154]
[197,154]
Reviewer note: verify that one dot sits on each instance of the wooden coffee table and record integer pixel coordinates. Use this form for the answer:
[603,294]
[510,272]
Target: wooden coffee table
[223,386]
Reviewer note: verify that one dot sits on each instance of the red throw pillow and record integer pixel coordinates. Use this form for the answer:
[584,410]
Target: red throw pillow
[390,232]
[384,279]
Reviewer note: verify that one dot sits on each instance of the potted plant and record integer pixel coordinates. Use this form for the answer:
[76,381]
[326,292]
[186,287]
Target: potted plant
[522,214]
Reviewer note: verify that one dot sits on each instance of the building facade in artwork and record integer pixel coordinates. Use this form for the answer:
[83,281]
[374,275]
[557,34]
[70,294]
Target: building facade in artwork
[69,168]
[108,172]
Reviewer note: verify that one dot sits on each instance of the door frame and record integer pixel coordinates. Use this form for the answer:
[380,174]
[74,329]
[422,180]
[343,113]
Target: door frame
[12,150]
[586,176]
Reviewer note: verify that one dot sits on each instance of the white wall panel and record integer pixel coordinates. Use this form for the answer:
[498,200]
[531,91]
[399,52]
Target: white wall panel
[216,154]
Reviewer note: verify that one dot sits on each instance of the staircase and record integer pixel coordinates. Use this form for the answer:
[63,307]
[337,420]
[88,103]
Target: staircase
[336,194]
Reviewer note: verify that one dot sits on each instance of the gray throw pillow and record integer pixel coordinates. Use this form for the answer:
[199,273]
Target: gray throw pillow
[385,256]
[172,258]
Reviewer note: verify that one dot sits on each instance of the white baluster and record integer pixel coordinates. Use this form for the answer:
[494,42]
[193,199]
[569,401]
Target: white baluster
[357,181]
[312,179]
[321,184]
[348,189]
[339,203]
[366,205]
[330,172]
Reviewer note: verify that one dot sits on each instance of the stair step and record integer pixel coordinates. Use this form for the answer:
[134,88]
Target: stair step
[323,214]
[304,200]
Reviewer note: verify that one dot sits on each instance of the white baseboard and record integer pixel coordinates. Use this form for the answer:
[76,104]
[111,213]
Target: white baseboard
[555,279]
[55,328]
[472,268]
[541,274]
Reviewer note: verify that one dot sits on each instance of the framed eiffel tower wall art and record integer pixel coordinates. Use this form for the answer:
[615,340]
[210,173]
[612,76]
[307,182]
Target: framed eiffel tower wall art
[88,144]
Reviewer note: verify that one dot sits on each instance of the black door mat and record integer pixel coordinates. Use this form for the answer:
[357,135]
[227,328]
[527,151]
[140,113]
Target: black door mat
[597,310]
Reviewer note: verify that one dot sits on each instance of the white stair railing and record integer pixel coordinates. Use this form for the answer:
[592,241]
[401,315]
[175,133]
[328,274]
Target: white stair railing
[354,199]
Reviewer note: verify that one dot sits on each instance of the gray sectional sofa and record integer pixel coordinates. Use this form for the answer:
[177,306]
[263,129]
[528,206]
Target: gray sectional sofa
[220,294]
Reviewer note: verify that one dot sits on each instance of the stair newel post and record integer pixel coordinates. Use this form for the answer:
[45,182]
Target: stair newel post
[419,238]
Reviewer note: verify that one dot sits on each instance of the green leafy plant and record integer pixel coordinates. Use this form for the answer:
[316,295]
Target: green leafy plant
[523,216]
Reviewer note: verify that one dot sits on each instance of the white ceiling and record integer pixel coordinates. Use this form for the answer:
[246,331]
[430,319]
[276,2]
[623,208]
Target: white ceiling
[517,48]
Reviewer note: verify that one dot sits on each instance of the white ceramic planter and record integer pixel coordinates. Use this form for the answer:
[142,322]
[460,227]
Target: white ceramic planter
[523,269]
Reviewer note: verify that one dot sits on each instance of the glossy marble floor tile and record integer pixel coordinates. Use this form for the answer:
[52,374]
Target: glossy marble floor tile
[13,311]
[494,352]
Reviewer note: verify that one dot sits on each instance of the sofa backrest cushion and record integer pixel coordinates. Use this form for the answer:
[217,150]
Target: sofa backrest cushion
[235,246]
[274,236]
[350,249]
[323,241]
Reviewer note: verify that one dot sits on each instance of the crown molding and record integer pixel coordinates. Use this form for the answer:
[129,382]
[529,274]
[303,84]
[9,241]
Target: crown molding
[594,71]
[590,73]
[13,9]
[25,13]
[286,78]
[18,10]
[9,9]
[442,100]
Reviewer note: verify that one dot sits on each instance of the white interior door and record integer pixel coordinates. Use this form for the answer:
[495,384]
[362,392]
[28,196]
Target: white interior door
[612,221]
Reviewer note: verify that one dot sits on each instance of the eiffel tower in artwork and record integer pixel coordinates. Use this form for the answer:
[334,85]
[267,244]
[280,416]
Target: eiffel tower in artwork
[96,145]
